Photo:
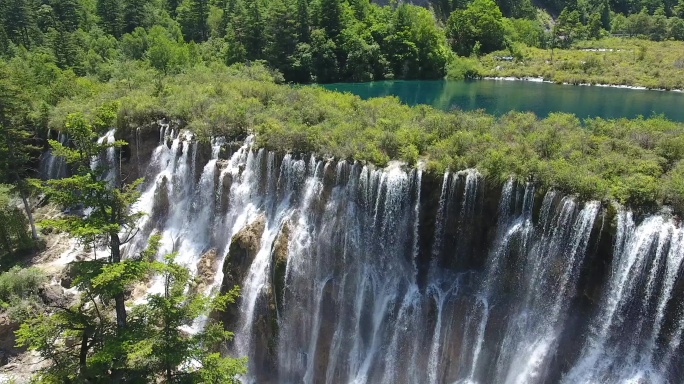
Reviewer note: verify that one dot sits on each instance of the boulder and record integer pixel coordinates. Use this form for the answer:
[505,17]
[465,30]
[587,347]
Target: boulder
[7,339]
[206,270]
[243,248]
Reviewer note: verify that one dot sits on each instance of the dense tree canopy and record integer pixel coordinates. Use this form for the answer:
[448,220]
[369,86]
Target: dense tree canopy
[315,40]
[478,28]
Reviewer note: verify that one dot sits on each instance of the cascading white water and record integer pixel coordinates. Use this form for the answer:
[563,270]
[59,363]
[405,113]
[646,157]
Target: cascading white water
[363,297]
[647,265]
[108,160]
[54,167]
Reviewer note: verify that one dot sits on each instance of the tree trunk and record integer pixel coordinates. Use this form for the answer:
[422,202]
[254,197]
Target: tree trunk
[119,297]
[22,190]
[27,207]
[83,352]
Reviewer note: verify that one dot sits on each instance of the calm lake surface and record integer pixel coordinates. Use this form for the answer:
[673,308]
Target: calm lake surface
[498,97]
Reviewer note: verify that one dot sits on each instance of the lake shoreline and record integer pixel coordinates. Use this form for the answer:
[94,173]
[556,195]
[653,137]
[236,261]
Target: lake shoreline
[535,79]
[497,96]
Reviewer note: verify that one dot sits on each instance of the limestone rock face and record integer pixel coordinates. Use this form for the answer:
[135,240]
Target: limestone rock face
[280,255]
[243,248]
[206,269]
[224,191]
[161,201]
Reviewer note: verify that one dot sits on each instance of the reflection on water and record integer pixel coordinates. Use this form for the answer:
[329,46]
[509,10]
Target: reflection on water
[498,97]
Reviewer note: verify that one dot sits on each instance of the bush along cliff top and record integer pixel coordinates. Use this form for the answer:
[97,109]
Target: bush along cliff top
[636,162]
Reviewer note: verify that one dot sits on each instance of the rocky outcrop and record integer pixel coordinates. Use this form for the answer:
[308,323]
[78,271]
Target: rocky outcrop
[206,270]
[141,143]
[279,256]
[225,181]
[7,339]
[161,201]
[243,248]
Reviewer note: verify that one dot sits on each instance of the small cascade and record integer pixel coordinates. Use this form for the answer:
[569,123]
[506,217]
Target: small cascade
[108,161]
[54,167]
[351,273]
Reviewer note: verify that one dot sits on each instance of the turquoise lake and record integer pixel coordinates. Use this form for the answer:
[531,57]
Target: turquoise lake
[498,97]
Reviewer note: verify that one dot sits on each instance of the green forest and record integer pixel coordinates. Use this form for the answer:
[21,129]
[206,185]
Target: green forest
[233,67]
[315,40]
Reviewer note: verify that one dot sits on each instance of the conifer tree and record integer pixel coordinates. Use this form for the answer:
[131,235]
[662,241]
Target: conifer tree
[192,16]
[281,35]
[107,204]
[163,350]
[16,150]
[19,20]
[331,18]
[110,14]
[304,20]
[67,13]
[133,14]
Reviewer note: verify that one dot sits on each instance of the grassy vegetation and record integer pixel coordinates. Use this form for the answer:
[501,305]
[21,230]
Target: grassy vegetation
[19,292]
[627,61]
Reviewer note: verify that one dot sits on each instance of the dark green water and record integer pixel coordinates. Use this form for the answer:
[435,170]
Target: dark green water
[498,97]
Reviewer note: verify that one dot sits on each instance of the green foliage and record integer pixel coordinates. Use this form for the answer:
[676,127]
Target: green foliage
[463,68]
[481,22]
[165,54]
[19,283]
[164,350]
[617,61]
[110,13]
[15,237]
[83,344]
[19,288]
[17,152]
[192,17]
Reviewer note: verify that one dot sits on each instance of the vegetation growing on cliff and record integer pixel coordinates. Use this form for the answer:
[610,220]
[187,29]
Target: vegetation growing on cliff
[633,161]
[98,337]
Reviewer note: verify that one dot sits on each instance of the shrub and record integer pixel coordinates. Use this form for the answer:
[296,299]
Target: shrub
[463,68]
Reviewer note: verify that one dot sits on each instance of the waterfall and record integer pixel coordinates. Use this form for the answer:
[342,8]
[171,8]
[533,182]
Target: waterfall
[108,160]
[351,273]
[54,167]
[648,265]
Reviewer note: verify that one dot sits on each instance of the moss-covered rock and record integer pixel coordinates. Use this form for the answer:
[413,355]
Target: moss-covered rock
[279,262]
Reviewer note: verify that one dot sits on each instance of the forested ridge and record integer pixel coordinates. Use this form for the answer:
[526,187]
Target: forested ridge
[315,40]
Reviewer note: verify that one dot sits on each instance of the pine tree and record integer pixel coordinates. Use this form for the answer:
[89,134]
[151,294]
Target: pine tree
[16,150]
[67,13]
[108,203]
[4,41]
[19,20]
[192,17]
[254,36]
[110,14]
[81,342]
[133,14]
[331,18]
[304,20]
[164,350]
[281,35]
[171,6]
